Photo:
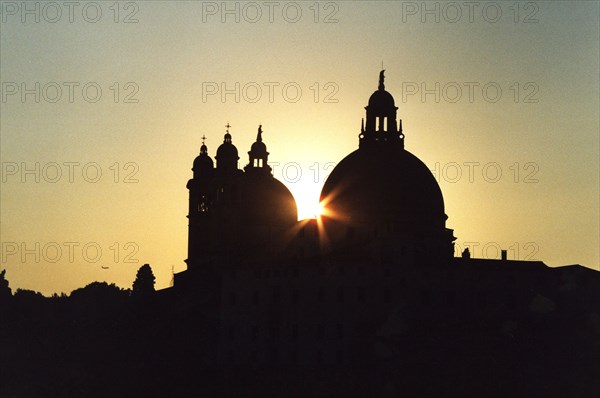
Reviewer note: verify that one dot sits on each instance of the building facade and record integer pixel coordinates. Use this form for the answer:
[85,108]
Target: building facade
[348,303]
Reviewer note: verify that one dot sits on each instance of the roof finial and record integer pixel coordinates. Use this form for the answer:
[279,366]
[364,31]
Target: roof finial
[259,135]
[203,139]
[381,77]
[227,126]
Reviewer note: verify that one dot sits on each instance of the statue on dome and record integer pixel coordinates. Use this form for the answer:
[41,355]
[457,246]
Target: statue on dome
[381,77]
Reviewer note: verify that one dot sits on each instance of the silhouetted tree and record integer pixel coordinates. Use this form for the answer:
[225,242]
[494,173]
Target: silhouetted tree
[5,291]
[99,291]
[29,296]
[143,285]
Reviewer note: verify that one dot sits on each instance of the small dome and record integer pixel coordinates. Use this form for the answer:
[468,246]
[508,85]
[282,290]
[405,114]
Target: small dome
[227,151]
[227,154]
[202,162]
[258,148]
[381,100]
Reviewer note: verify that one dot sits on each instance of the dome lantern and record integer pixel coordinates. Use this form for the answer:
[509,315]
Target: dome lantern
[258,154]
[381,126]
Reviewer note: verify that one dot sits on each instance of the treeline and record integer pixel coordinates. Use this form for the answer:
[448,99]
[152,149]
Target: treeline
[101,340]
[143,286]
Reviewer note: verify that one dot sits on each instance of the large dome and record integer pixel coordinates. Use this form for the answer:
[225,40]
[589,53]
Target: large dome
[384,184]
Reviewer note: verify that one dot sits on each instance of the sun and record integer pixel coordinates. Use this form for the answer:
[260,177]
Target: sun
[316,210]
[309,208]
[307,200]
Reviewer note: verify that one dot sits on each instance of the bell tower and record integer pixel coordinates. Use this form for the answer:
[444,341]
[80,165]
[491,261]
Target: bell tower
[201,203]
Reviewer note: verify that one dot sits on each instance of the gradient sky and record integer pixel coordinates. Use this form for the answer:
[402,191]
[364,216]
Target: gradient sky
[540,131]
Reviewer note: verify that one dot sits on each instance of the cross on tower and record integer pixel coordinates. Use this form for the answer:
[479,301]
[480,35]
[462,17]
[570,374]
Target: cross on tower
[203,139]
[228,126]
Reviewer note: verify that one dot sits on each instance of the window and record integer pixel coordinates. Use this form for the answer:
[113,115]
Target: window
[293,357]
[339,329]
[339,357]
[425,297]
[387,296]
[321,295]
[340,295]
[203,204]
[450,298]
[275,331]
[320,331]
[276,294]
[360,294]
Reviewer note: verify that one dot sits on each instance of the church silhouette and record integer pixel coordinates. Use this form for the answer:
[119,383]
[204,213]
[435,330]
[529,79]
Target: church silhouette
[368,299]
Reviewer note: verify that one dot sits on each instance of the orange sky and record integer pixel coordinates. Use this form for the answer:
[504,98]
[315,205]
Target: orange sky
[501,104]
